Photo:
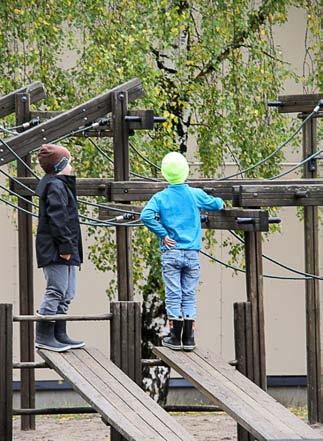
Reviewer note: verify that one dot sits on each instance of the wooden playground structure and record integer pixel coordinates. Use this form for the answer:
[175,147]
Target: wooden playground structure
[112,387]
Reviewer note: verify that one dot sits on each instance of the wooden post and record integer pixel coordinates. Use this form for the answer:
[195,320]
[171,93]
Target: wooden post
[26,288]
[125,343]
[121,173]
[254,281]
[312,288]
[5,372]
[243,350]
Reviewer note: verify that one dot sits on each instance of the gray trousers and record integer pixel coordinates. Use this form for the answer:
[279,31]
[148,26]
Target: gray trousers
[60,289]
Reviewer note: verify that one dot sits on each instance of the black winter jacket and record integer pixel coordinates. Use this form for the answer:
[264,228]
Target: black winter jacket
[59,229]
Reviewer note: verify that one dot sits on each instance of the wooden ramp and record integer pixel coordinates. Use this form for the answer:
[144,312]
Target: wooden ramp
[249,405]
[121,402]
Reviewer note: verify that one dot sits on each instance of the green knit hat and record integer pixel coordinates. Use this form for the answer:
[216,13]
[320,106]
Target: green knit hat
[174,168]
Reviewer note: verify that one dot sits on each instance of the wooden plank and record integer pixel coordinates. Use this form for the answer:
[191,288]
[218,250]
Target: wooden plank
[284,196]
[249,347]
[299,103]
[90,394]
[136,190]
[241,344]
[137,344]
[115,333]
[68,121]
[277,409]
[130,331]
[35,90]
[121,402]
[133,389]
[26,282]
[124,337]
[221,220]
[219,391]
[312,288]
[6,372]
[84,186]
[279,426]
[142,412]
[111,390]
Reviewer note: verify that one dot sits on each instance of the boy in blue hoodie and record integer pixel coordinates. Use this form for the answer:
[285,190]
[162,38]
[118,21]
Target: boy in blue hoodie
[174,216]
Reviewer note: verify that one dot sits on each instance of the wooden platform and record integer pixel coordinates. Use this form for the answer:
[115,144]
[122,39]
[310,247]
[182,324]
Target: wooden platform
[122,403]
[249,405]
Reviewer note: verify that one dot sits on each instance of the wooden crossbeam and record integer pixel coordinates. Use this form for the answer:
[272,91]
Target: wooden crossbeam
[85,186]
[282,196]
[35,90]
[253,193]
[68,121]
[228,219]
[298,103]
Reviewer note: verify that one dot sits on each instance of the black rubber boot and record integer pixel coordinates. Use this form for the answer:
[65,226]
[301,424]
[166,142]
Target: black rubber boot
[62,337]
[45,338]
[188,335]
[174,339]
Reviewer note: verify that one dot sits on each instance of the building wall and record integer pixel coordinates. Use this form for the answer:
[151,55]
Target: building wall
[219,287]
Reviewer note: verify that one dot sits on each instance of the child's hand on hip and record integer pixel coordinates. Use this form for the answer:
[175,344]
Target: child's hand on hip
[168,242]
[66,256]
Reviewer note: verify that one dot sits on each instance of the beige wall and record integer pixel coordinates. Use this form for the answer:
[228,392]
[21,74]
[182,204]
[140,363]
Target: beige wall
[219,288]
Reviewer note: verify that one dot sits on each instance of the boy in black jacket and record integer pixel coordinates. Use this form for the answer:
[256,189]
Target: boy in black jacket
[58,245]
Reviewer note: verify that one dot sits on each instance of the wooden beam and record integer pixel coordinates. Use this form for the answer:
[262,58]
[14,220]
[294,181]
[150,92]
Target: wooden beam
[228,219]
[44,115]
[298,103]
[122,172]
[68,121]
[251,193]
[125,343]
[6,372]
[312,289]
[35,90]
[243,350]
[254,285]
[26,284]
[85,186]
[287,195]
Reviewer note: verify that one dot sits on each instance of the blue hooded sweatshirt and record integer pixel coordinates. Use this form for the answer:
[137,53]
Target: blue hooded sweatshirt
[178,209]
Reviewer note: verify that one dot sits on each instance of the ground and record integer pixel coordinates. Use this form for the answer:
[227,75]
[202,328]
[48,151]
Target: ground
[203,426]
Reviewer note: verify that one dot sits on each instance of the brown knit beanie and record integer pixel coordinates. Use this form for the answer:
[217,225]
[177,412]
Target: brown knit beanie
[53,158]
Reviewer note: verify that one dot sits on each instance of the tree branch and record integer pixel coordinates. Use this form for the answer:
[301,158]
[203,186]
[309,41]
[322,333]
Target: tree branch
[255,21]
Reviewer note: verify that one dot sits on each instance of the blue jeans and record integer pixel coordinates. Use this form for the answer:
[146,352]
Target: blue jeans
[60,289]
[181,273]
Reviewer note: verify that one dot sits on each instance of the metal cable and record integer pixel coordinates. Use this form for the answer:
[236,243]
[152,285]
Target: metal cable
[278,149]
[10,131]
[244,271]
[19,158]
[143,157]
[12,178]
[297,165]
[276,262]
[13,193]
